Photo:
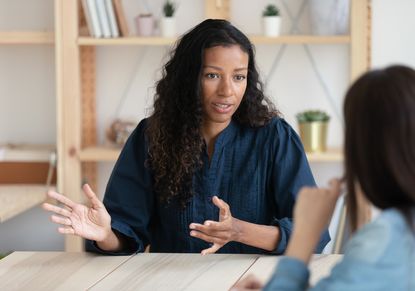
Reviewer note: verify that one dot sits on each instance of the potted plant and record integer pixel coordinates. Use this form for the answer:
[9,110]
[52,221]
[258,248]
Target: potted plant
[313,129]
[271,20]
[168,21]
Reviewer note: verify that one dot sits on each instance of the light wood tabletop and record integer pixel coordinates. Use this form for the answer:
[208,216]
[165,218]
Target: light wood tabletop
[178,272]
[320,267]
[55,270]
[155,271]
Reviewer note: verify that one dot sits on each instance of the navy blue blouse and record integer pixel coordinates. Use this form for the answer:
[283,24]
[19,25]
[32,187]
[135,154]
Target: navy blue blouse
[257,171]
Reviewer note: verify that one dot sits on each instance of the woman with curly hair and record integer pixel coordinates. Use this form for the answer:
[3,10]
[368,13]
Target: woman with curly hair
[213,169]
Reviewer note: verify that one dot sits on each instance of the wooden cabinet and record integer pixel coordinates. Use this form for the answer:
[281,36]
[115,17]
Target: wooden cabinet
[75,77]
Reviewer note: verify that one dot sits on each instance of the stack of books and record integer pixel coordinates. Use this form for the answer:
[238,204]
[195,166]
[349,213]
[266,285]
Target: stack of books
[105,18]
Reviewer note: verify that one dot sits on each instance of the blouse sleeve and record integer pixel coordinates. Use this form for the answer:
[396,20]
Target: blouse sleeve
[363,266]
[129,195]
[291,172]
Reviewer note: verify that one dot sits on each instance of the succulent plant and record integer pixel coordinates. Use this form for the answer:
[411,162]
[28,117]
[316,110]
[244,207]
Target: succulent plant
[312,115]
[169,8]
[271,10]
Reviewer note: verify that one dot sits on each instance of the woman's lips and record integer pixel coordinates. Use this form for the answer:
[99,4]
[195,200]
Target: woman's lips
[222,107]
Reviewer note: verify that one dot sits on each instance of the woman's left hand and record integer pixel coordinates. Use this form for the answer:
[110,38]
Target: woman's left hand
[219,232]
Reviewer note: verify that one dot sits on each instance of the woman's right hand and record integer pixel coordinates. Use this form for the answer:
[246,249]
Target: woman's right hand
[93,223]
[312,213]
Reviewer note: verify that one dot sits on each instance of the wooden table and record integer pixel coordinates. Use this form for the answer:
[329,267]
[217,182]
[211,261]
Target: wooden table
[85,271]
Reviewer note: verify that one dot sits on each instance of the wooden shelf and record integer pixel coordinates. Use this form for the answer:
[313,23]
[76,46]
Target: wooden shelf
[109,154]
[126,41]
[15,199]
[26,153]
[99,154]
[331,155]
[300,39]
[257,39]
[26,37]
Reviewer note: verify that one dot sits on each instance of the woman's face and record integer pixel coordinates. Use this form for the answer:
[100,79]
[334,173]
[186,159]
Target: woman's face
[224,80]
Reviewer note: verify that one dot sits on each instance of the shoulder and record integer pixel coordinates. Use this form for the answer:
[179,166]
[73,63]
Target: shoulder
[277,126]
[367,245]
[137,138]
[139,131]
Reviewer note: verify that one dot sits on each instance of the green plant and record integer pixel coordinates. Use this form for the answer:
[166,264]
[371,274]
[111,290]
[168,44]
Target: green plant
[271,10]
[169,8]
[312,115]
[3,255]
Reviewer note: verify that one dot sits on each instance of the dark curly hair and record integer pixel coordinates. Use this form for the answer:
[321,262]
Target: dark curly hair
[174,135]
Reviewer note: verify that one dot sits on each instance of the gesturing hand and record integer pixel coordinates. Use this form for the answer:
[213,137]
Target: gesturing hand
[92,223]
[217,233]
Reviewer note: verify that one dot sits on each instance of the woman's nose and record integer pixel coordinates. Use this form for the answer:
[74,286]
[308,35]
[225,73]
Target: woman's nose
[225,88]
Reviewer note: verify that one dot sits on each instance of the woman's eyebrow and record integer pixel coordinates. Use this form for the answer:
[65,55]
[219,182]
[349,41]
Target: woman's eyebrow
[220,69]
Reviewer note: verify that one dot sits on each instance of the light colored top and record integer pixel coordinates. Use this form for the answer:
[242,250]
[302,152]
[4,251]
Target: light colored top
[381,256]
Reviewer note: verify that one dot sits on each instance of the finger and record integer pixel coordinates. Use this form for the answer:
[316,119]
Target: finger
[56,209]
[91,196]
[61,220]
[213,249]
[209,226]
[220,234]
[66,230]
[207,238]
[224,210]
[61,198]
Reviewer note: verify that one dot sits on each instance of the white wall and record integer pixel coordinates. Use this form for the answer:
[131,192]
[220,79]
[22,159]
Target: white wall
[294,86]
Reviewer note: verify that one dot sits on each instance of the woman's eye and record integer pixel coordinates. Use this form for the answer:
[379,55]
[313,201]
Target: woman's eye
[240,77]
[212,75]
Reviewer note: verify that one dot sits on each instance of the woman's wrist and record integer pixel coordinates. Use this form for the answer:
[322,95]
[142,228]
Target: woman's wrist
[301,246]
[237,226]
[111,242]
[260,236]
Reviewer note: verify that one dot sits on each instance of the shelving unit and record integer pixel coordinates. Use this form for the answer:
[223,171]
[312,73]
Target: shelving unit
[26,37]
[256,39]
[26,153]
[17,198]
[76,87]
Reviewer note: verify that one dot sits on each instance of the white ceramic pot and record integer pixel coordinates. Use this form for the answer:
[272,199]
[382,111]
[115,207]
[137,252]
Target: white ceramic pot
[168,26]
[271,25]
[329,17]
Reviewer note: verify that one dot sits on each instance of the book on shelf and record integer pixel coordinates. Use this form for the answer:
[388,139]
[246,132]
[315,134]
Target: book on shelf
[121,19]
[103,18]
[91,15]
[112,20]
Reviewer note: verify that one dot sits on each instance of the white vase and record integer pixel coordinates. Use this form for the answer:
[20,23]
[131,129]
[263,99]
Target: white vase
[168,26]
[271,25]
[329,17]
[144,25]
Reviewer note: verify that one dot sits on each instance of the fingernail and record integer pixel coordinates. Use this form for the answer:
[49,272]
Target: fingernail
[192,226]
[207,223]
[192,233]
